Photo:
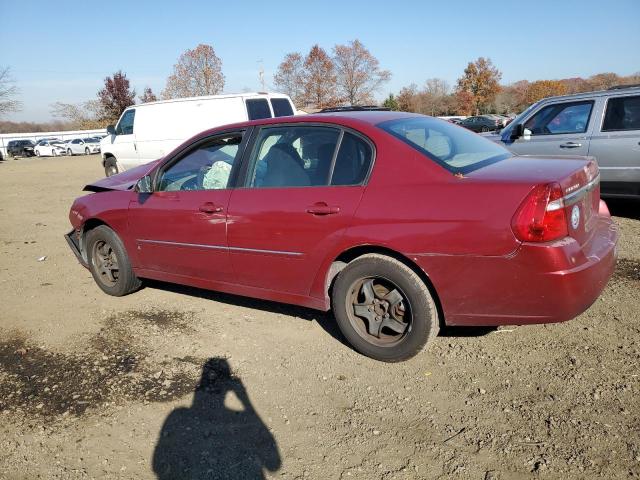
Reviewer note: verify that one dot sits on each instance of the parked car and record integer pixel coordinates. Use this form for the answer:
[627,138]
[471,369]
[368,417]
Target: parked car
[149,131]
[603,124]
[79,146]
[399,222]
[481,123]
[50,148]
[20,148]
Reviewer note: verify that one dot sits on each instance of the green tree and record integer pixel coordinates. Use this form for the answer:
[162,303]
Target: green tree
[391,103]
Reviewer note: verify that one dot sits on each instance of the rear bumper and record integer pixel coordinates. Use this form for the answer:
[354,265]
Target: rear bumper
[72,240]
[540,283]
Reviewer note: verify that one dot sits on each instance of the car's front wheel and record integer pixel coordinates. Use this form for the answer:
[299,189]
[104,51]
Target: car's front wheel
[37,153]
[383,308]
[69,152]
[86,151]
[109,262]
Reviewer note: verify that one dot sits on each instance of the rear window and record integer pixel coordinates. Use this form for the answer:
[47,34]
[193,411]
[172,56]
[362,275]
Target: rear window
[281,107]
[258,108]
[623,113]
[455,148]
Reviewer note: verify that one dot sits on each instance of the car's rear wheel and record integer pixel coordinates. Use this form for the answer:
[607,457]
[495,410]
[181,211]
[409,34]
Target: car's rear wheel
[109,262]
[383,308]
[86,151]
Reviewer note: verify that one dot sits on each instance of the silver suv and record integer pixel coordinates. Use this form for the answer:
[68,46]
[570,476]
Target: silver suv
[603,124]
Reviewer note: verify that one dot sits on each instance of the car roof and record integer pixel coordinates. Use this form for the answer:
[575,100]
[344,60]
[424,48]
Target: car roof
[619,90]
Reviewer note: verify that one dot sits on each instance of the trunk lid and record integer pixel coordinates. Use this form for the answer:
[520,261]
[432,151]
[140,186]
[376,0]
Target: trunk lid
[578,177]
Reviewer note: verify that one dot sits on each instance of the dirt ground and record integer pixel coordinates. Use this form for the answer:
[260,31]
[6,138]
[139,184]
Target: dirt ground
[175,382]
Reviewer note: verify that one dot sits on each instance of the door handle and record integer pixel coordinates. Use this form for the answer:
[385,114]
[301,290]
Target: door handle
[322,208]
[570,145]
[210,208]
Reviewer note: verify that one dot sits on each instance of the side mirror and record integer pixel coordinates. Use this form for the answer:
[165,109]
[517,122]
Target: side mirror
[517,132]
[526,134]
[144,185]
[111,130]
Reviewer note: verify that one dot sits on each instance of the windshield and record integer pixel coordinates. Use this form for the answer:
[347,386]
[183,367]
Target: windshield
[455,148]
[90,140]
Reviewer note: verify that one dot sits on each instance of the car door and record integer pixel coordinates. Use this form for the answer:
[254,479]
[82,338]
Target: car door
[617,145]
[123,143]
[180,228]
[561,128]
[301,188]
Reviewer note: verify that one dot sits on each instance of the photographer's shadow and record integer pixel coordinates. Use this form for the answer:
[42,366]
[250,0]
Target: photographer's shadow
[210,440]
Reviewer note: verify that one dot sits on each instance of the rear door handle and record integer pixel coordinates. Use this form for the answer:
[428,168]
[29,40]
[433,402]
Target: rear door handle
[210,208]
[570,145]
[321,208]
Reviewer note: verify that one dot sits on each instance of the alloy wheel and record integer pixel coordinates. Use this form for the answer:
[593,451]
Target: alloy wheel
[105,262]
[379,311]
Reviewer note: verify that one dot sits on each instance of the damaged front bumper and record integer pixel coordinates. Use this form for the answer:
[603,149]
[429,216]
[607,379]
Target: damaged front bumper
[73,239]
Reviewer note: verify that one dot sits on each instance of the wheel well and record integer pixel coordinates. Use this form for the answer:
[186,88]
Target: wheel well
[349,255]
[88,225]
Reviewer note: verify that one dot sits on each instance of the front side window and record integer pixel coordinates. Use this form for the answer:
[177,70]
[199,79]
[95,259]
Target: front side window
[561,118]
[456,149]
[623,113]
[208,167]
[292,156]
[258,108]
[125,125]
[281,107]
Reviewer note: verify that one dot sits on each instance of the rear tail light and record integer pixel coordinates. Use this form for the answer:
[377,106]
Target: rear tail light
[541,217]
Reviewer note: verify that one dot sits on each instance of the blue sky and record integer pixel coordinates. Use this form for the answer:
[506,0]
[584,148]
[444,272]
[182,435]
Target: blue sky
[61,51]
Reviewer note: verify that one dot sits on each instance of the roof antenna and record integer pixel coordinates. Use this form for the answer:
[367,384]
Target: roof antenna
[261,75]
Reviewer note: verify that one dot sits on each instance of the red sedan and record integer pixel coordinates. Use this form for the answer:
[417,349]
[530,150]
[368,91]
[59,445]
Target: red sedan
[400,223]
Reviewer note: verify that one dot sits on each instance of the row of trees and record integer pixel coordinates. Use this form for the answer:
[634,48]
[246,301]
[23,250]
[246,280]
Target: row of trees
[478,91]
[350,75]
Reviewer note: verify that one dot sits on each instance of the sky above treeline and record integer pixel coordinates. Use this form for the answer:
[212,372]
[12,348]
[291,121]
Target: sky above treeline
[62,51]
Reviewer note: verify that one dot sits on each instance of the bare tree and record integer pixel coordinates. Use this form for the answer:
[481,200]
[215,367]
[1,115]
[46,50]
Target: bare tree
[435,97]
[8,91]
[82,116]
[358,73]
[148,96]
[198,72]
[291,78]
[320,85]
[116,96]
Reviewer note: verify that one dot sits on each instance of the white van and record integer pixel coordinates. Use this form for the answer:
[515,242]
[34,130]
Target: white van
[149,131]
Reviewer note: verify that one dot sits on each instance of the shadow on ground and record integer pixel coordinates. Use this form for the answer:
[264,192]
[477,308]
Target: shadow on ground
[215,437]
[326,320]
[624,207]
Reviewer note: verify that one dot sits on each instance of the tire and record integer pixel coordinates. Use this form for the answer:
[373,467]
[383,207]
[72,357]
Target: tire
[86,151]
[37,153]
[106,251]
[54,153]
[69,152]
[416,310]
[110,167]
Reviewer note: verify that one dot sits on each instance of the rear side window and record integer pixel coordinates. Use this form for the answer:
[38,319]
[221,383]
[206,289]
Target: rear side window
[125,125]
[258,108]
[623,113]
[353,161]
[454,148]
[561,118]
[281,107]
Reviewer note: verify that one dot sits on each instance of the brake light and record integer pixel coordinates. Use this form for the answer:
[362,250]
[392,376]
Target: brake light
[541,217]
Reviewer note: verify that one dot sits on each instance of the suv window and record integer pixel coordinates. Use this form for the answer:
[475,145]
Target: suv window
[561,118]
[208,167]
[125,125]
[281,107]
[258,108]
[352,162]
[623,113]
[293,156]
